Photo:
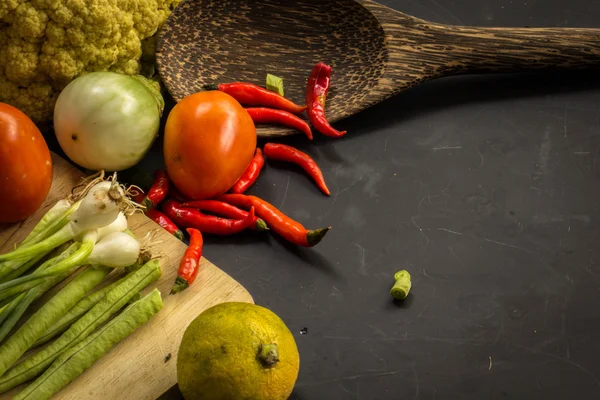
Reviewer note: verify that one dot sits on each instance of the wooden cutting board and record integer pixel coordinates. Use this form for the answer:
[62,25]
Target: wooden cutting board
[136,369]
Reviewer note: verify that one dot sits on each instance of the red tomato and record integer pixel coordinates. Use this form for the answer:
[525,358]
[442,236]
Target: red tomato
[209,142]
[25,166]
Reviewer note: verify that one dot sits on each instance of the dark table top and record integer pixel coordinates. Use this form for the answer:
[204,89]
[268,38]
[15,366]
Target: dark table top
[487,189]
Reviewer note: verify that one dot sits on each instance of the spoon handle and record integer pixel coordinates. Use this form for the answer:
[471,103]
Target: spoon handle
[482,50]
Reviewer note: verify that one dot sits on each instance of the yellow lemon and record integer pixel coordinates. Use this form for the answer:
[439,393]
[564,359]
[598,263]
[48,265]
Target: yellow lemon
[235,351]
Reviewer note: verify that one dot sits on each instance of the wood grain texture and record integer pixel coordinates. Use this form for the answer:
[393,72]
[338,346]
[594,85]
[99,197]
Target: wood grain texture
[375,51]
[136,367]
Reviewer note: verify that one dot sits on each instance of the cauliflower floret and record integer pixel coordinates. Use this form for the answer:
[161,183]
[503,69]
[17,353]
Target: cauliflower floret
[7,6]
[44,44]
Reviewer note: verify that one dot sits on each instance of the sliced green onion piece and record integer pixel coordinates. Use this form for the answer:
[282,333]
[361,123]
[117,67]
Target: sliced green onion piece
[275,84]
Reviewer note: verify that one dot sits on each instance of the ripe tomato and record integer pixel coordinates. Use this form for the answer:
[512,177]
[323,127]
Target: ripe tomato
[25,166]
[209,142]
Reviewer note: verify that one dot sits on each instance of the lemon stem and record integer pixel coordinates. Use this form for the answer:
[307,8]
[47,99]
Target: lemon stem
[268,355]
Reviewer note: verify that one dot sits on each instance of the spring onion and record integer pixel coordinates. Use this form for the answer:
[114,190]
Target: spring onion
[117,250]
[53,215]
[71,263]
[118,225]
[55,219]
[99,208]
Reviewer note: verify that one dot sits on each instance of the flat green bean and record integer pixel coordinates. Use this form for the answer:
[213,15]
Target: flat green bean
[74,361]
[50,312]
[114,300]
[83,306]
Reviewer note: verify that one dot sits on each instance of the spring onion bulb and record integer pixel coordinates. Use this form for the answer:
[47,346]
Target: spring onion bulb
[117,250]
[118,225]
[99,207]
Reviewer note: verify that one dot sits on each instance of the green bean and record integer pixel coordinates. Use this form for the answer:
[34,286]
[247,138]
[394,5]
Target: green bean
[73,362]
[99,314]
[402,286]
[83,306]
[51,311]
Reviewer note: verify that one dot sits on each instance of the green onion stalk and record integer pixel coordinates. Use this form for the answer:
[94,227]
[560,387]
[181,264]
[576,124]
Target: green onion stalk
[55,219]
[115,250]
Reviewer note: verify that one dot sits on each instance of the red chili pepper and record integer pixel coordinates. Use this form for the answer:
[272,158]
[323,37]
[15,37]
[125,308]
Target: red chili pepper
[280,223]
[159,190]
[249,94]
[316,95]
[281,152]
[225,210]
[190,263]
[164,221]
[191,218]
[271,116]
[250,175]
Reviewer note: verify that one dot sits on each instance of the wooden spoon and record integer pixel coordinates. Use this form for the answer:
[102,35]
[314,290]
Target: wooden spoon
[375,51]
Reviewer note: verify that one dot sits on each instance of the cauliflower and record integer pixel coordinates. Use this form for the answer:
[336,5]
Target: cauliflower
[44,44]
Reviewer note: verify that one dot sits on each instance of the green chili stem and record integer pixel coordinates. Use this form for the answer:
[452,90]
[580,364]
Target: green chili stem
[114,300]
[80,357]
[50,312]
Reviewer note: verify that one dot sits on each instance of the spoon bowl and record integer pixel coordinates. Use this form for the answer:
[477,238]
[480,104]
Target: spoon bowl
[375,51]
